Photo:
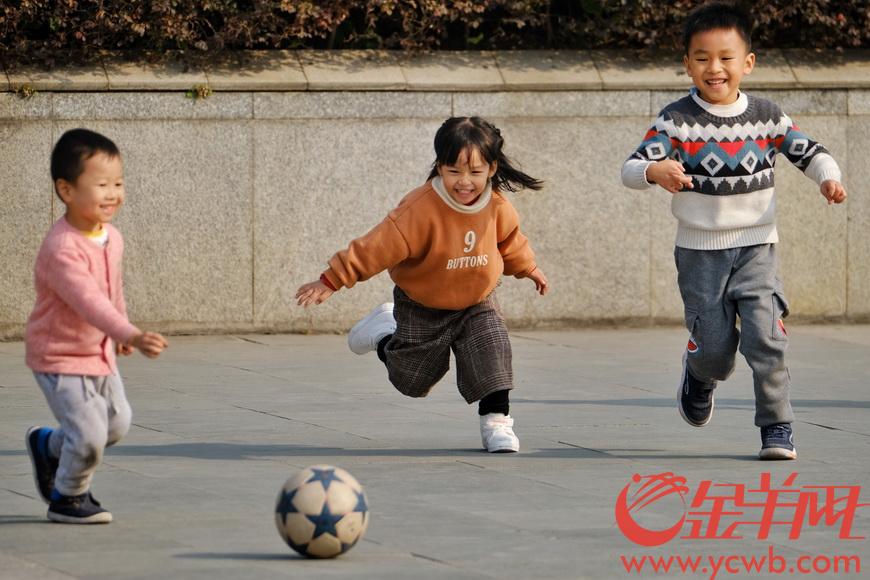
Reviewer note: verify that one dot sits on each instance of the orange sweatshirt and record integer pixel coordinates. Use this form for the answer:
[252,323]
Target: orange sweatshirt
[441,253]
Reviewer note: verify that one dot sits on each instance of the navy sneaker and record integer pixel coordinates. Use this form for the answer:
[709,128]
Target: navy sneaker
[695,398]
[44,465]
[77,509]
[777,442]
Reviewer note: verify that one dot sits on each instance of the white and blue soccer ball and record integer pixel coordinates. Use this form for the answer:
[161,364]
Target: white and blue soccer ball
[322,511]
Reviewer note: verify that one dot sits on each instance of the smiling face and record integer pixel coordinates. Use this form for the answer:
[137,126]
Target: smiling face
[96,195]
[716,62]
[467,177]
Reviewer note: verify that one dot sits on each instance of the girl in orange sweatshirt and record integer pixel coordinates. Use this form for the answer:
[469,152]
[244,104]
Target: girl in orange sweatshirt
[446,245]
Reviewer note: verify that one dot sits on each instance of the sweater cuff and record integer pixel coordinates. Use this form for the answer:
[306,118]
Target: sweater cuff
[525,273]
[823,167]
[324,278]
[634,174]
[129,333]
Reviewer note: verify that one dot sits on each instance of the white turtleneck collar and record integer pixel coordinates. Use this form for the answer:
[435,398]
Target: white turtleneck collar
[482,201]
[736,108]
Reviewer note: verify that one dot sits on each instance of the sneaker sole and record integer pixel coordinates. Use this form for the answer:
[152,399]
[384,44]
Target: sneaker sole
[777,453]
[680,399]
[30,453]
[505,450]
[102,518]
[357,328]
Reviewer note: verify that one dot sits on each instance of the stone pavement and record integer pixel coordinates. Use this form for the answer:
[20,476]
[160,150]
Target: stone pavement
[221,421]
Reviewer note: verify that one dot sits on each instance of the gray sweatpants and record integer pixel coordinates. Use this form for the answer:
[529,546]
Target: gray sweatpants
[93,413]
[719,285]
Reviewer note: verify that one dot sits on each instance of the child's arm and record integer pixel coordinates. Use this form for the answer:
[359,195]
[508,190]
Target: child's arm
[151,344]
[833,191]
[669,174]
[314,292]
[70,279]
[651,163]
[540,280]
[516,253]
[814,160]
[381,248]
[73,283]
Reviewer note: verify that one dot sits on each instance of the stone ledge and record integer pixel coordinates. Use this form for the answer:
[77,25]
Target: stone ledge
[356,70]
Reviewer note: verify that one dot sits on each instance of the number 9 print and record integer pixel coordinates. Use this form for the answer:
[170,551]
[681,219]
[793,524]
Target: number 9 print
[470,240]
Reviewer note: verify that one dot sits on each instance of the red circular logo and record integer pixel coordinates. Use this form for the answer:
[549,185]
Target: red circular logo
[653,489]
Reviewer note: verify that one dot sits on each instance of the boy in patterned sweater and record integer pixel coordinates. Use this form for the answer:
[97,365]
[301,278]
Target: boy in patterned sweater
[715,150]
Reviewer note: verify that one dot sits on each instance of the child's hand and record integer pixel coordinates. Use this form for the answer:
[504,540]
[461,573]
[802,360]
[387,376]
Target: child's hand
[123,349]
[151,344]
[669,174]
[540,280]
[313,293]
[833,191]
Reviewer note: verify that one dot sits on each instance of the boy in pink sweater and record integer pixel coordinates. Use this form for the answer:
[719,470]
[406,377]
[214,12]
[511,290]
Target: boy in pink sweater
[78,324]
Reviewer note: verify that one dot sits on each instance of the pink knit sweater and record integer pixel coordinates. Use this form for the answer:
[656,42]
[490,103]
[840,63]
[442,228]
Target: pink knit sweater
[79,304]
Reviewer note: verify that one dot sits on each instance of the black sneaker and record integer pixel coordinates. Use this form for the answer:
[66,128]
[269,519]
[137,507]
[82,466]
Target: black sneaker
[78,509]
[44,465]
[695,398]
[777,442]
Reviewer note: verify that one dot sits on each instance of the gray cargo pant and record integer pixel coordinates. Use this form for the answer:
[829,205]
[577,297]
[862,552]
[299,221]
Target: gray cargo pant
[719,285]
[418,354]
[93,413]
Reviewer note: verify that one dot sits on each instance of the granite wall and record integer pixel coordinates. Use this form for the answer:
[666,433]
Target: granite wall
[236,199]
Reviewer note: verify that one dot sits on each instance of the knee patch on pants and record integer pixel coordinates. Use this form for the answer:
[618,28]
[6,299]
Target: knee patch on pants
[711,349]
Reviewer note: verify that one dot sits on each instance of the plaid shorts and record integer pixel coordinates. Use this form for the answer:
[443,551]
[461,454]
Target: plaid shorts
[418,354]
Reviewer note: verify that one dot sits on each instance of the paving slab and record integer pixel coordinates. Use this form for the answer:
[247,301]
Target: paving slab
[452,71]
[258,70]
[628,69]
[142,76]
[829,69]
[74,78]
[360,70]
[547,70]
[220,422]
[771,70]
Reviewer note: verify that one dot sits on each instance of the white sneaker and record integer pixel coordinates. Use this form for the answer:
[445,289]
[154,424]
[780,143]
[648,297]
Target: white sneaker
[368,332]
[497,433]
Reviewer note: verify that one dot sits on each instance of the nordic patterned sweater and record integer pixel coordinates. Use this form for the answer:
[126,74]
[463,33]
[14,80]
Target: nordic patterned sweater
[729,152]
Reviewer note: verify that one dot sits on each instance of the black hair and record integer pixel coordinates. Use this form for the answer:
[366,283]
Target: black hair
[74,148]
[715,16]
[473,133]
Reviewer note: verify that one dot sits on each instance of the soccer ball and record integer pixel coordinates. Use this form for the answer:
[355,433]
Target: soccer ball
[322,511]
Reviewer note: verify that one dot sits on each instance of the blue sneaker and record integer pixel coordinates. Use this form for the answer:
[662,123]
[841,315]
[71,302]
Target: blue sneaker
[44,465]
[777,442]
[77,509]
[695,398]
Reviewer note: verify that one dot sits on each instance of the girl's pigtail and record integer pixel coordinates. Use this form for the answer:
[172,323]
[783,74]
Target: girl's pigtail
[507,177]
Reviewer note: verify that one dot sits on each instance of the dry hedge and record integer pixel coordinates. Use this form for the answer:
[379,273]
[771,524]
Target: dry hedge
[54,32]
